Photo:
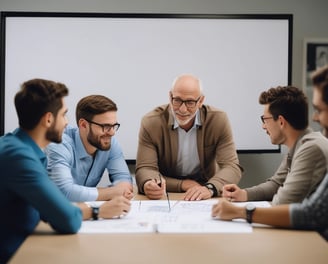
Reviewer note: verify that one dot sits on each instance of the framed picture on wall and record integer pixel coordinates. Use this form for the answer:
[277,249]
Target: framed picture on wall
[315,56]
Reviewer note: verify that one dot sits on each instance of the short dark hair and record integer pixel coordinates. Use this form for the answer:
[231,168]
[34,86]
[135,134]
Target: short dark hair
[320,81]
[37,97]
[92,105]
[289,102]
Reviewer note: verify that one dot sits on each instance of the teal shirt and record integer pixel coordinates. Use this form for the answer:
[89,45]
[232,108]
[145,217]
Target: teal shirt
[28,195]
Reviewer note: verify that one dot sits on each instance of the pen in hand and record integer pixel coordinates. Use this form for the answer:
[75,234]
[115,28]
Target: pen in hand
[167,195]
[160,180]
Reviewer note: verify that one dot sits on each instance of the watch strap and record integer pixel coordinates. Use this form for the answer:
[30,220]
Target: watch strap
[95,212]
[249,214]
[212,188]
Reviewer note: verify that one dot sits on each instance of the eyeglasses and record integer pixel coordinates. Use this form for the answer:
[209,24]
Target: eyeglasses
[106,127]
[177,102]
[265,118]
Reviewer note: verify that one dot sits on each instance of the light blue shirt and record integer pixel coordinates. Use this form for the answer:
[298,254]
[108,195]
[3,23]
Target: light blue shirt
[77,173]
[188,160]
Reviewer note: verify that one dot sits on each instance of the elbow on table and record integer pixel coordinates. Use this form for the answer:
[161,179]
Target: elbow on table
[70,225]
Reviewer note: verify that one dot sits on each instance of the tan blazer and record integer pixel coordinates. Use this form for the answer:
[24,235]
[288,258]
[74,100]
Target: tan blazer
[158,149]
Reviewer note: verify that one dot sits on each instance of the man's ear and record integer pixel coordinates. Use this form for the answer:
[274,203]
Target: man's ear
[48,119]
[170,96]
[282,120]
[82,123]
[201,101]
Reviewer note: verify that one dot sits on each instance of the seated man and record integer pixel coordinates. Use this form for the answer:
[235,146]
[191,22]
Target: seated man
[27,195]
[79,162]
[188,143]
[285,120]
[312,212]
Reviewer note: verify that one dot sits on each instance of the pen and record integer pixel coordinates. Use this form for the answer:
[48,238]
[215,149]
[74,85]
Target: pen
[167,195]
[160,180]
[168,201]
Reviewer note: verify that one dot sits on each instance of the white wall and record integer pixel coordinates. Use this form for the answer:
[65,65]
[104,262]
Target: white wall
[310,21]
[134,61]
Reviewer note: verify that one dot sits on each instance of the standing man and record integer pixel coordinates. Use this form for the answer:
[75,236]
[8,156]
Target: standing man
[79,162]
[188,144]
[285,120]
[27,195]
[312,213]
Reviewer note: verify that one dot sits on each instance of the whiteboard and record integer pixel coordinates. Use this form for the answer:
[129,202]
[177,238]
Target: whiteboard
[133,59]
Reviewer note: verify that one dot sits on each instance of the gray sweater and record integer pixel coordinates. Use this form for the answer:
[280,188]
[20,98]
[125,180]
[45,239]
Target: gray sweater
[299,174]
[312,213]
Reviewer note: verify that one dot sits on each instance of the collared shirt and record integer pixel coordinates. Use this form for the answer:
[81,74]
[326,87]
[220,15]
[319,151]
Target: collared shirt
[158,149]
[77,173]
[27,194]
[188,160]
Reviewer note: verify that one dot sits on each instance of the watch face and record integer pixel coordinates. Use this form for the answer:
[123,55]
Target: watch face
[209,186]
[250,207]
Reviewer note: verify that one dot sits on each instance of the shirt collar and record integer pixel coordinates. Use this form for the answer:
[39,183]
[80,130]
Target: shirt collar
[21,134]
[299,141]
[197,122]
[80,150]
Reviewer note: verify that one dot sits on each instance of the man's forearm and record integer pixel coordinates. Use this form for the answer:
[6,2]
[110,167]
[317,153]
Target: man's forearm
[275,216]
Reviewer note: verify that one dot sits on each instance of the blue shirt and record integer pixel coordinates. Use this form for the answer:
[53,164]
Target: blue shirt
[28,195]
[77,173]
[312,213]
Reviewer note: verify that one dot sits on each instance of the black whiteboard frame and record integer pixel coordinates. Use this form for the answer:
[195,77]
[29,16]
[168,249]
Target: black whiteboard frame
[5,15]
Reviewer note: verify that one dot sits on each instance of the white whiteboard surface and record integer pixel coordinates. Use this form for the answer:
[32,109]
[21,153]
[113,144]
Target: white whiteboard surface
[133,61]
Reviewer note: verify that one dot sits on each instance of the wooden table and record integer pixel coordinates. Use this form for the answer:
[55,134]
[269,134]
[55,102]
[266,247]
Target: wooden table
[263,245]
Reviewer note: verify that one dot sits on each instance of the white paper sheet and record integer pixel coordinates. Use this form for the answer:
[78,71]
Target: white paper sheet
[148,216]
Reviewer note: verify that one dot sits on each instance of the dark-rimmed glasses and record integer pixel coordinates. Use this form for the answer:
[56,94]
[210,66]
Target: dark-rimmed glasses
[263,118]
[177,102]
[106,127]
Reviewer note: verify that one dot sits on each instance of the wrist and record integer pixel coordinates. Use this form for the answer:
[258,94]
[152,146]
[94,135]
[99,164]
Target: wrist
[93,212]
[212,189]
[245,196]
[249,210]
[182,187]
[242,212]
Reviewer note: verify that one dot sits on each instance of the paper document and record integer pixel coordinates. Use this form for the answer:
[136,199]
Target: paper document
[147,216]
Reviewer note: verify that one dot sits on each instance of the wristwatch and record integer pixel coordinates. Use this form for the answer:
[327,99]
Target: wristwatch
[211,188]
[250,208]
[95,212]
